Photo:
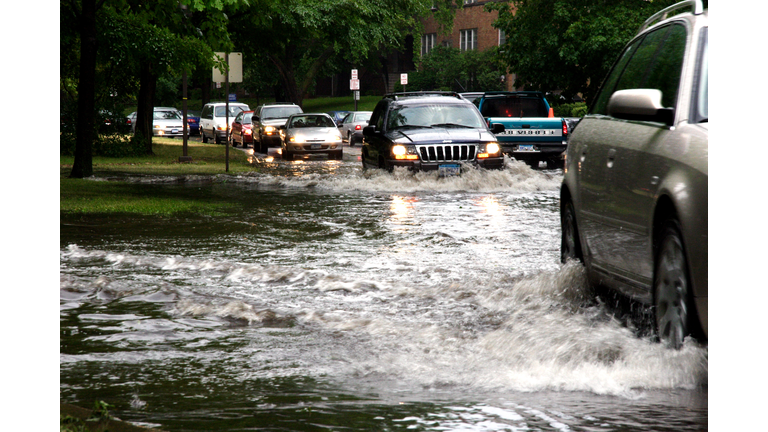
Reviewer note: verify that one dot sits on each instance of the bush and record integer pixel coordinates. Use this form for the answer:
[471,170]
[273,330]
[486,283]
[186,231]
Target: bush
[449,69]
[578,109]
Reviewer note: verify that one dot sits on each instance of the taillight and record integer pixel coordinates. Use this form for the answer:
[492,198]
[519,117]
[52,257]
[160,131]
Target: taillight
[565,129]
[358,127]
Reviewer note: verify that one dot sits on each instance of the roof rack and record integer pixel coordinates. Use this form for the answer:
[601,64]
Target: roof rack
[423,93]
[696,5]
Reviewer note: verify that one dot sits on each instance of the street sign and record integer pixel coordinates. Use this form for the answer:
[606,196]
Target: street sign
[232,97]
[354,84]
[235,67]
[357,95]
[354,74]
[404,79]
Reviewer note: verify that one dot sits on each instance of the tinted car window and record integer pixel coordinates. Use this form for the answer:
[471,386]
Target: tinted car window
[601,101]
[207,112]
[514,107]
[221,111]
[247,118]
[377,119]
[311,121]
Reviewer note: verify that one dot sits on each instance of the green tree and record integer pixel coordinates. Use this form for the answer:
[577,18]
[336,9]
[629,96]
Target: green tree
[299,37]
[447,68]
[568,45]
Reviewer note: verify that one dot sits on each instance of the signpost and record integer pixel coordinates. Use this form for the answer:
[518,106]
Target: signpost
[234,66]
[404,80]
[354,85]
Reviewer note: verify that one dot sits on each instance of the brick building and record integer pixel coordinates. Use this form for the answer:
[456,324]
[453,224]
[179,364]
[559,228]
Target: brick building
[472,29]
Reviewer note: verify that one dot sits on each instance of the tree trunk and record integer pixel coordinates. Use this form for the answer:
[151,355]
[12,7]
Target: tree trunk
[86,91]
[146,105]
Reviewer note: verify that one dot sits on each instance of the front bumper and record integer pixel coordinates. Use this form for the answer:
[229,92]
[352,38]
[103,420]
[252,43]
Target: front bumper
[307,148]
[168,132]
[271,140]
[418,165]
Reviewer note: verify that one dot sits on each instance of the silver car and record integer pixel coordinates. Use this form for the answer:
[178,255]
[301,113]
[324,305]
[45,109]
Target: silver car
[167,122]
[351,126]
[634,196]
[310,133]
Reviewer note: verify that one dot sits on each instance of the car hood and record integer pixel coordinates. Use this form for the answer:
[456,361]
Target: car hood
[441,135]
[311,133]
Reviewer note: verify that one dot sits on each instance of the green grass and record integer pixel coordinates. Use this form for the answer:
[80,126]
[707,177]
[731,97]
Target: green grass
[81,196]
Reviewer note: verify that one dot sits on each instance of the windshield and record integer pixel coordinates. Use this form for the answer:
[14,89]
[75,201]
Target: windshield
[362,117]
[435,115]
[166,115]
[306,121]
[279,112]
[514,106]
[221,111]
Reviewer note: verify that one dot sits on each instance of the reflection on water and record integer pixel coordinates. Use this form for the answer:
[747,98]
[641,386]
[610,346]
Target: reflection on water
[329,298]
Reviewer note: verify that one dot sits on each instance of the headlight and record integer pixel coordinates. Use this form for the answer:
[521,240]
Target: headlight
[401,152]
[269,129]
[492,148]
[333,138]
[298,139]
[158,127]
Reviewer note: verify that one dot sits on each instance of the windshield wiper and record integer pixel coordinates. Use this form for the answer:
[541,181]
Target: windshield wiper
[451,125]
[412,126]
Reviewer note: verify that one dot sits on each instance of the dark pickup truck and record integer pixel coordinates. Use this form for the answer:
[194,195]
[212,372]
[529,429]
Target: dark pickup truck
[531,132]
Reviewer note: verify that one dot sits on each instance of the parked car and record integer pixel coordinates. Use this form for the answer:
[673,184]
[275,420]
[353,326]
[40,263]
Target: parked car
[242,129]
[633,202]
[310,133]
[351,126]
[167,121]
[193,121]
[338,116]
[213,124]
[429,131]
[266,121]
[131,121]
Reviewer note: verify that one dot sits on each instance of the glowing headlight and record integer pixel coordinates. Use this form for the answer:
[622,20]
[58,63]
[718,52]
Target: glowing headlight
[158,127]
[492,148]
[298,139]
[398,150]
[269,129]
[333,138]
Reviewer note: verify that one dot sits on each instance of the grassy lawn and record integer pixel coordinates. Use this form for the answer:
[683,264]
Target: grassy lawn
[81,196]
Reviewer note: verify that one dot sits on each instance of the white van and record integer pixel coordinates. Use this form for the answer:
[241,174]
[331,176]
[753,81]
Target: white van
[213,119]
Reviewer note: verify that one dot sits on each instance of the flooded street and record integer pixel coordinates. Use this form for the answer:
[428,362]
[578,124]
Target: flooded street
[328,298]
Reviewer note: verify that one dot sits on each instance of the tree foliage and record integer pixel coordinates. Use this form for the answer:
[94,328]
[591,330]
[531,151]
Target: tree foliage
[301,37]
[450,69]
[568,45]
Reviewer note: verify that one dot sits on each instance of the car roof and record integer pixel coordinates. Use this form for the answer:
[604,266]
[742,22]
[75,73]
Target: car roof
[419,97]
[310,113]
[663,16]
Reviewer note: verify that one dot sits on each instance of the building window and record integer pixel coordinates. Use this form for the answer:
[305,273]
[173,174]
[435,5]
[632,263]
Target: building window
[428,43]
[468,39]
[502,37]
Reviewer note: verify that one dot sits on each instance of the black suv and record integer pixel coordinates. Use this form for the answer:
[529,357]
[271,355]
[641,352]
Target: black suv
[429,131]
[267,120]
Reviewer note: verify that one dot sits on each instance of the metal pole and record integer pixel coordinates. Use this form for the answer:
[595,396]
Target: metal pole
[185,157]
[226,95]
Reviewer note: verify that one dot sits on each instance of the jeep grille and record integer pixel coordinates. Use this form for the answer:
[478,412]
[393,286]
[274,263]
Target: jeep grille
[447,152]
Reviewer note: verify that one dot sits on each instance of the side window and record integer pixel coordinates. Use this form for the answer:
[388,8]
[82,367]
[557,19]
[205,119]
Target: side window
[377,118]
[665,72]
[206,114]
[239,117]
[601,101]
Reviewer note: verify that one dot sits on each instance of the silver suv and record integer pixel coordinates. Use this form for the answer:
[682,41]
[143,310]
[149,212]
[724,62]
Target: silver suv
[634,196]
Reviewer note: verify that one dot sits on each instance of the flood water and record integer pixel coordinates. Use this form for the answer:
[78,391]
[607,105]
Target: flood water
[326,298]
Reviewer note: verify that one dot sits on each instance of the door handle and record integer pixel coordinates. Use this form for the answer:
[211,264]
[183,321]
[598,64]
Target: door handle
[611,157]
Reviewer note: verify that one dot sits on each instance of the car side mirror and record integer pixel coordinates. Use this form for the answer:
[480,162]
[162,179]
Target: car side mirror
[640,104]
[497,128]
[256,118]
[369,130]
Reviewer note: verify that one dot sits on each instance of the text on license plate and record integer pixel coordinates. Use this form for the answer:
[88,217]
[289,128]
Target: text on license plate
[447,170]
[316,146]
[526,148]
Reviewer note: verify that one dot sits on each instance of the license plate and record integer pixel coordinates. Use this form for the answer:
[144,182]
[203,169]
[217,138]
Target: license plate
[448,170]
[526,148]
[175,131]
[316,146]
